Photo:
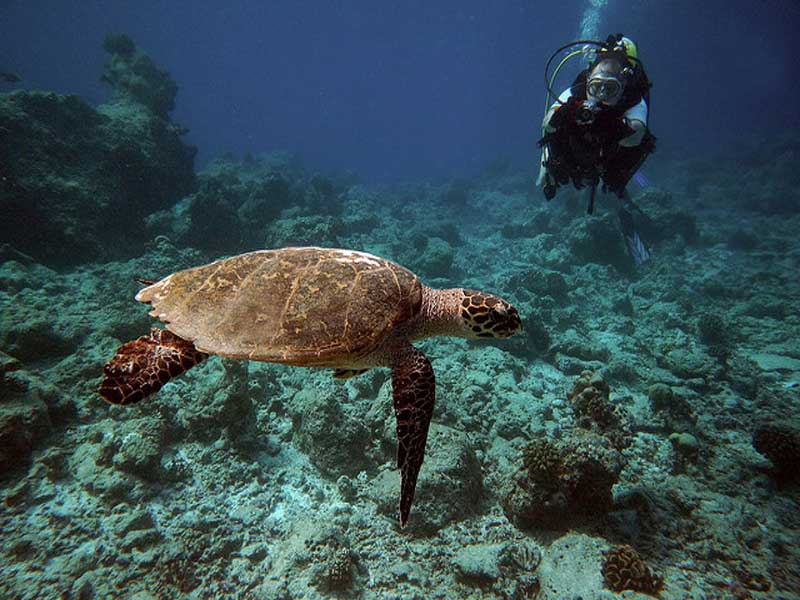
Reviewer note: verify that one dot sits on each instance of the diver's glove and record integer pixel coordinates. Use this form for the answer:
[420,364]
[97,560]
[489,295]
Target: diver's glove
[635,138]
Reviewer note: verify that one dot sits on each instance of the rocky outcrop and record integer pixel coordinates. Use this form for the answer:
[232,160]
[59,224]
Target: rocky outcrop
[76,182]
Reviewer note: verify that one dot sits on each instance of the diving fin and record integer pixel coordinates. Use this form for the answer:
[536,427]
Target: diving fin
[636,248]
[633,242]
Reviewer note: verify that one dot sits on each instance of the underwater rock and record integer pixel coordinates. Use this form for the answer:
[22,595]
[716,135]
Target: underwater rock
[336,573]
[335,441]
[575,353]
[687,450]
[435,259]
[570,568]
[214,224]
[88,177]
[267,197]
[136,519]
[580,346]
[35,340]
[672,412]
[781,445]
[450,483]
[138,449]
[90,465]
[541,282]
[307,230]
[221,406]
[478,563]
[7,364]
[689,363]
[560,482]
[663,219]
[516,231]
[251,204]
[713,330]
[134,77]
[534,339]
[319,556]
[24,423]
[597,240]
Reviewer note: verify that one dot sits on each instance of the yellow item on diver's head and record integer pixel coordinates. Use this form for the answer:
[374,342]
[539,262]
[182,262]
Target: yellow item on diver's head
[630,48]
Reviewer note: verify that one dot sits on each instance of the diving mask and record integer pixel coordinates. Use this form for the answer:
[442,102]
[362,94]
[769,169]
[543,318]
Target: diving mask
[604,89]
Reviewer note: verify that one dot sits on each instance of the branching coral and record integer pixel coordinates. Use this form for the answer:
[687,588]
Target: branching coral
[542,460]
[593,409]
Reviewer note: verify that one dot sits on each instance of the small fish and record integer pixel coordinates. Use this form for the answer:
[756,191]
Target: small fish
[791,384]
[9,77]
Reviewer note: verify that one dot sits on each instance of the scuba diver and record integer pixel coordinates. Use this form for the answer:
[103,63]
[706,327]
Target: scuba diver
[597,129]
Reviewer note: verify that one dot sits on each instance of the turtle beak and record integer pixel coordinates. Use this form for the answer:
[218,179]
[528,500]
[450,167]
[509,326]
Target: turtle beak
[514,321]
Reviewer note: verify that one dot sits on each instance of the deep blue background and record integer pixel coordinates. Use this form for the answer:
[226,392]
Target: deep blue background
[414,89]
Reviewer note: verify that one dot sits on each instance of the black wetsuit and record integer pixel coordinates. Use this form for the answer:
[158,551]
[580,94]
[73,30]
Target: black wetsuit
[584,148]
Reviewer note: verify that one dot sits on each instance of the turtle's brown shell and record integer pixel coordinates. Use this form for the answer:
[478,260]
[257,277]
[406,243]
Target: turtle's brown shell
[301,306]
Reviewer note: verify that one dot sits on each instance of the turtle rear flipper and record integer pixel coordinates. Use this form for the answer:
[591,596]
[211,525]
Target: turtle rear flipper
[140,367]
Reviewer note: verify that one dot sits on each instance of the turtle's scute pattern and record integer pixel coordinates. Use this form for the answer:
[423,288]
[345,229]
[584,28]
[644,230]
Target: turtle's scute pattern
[141,367]
[301,306]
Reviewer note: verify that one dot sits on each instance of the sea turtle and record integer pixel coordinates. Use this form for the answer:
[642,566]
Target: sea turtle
[311,307]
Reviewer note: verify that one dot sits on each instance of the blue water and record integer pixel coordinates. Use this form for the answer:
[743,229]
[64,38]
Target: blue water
[415,89]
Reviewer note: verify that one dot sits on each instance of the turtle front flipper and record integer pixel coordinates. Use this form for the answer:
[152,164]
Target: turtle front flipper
[140,367]
[414,392]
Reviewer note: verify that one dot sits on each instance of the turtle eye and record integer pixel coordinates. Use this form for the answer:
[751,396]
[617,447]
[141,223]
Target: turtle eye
[499,312]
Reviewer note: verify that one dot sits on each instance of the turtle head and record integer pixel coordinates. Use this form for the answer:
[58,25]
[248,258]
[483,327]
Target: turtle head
[488,316]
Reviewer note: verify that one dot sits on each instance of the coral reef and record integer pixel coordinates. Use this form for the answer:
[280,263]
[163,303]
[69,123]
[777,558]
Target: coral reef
[135,78]
[624,569]
[88,177]
[614,415]
[271,202]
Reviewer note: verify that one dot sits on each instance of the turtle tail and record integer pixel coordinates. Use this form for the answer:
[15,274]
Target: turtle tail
[140,367]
